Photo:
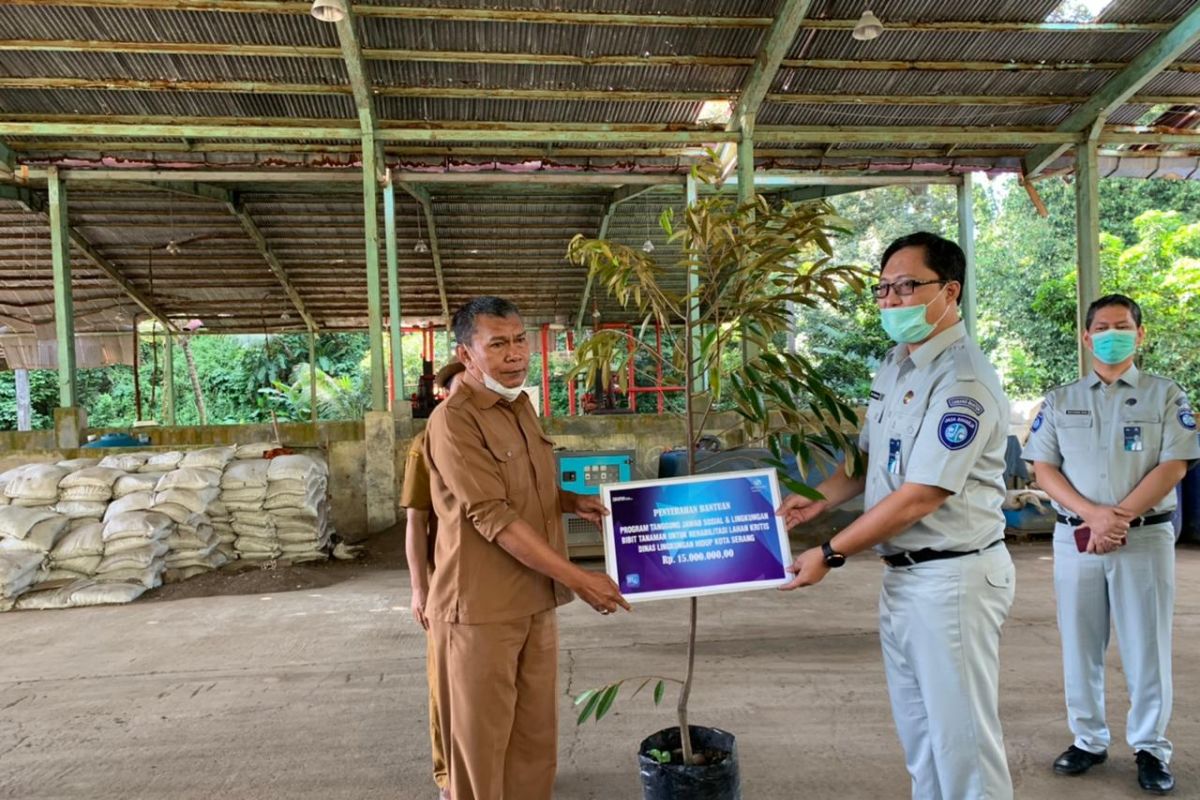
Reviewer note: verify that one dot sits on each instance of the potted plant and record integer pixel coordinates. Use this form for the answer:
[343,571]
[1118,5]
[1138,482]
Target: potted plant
[746,268]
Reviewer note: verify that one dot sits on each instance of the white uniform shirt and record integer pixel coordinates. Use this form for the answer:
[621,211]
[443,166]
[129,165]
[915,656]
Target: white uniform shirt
[1106,437]
[939,417]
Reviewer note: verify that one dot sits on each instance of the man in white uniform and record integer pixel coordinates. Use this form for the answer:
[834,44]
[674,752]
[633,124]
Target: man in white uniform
[1109,449]
[934,440]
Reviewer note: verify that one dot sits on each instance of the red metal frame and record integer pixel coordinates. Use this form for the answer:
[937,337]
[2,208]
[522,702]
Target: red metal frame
[549,336]
[571,383]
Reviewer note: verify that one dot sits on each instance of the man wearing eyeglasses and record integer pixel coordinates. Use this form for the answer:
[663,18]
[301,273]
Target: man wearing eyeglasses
[934,439]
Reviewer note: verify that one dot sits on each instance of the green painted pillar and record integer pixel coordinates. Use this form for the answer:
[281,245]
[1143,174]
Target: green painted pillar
[169,380]
[745,161]
[312,375]
[966,240]
[746,192]
[374,288]
[393,278]
[1087,239]
[693,294]
[64,310]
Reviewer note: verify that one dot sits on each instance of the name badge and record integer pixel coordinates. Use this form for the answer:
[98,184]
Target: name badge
[1133,438]
[893,464]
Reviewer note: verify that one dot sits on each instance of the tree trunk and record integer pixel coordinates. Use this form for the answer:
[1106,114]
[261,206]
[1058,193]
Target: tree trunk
[195,378]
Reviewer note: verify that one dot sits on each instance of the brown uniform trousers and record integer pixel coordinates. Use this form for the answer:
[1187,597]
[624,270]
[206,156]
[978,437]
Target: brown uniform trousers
[498,686]
[415,494]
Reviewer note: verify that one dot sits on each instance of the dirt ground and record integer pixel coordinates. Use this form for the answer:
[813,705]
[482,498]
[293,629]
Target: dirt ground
[307,683]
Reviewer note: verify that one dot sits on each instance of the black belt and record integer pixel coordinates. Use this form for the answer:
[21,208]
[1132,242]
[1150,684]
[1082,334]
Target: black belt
[1136,522]
[921,556]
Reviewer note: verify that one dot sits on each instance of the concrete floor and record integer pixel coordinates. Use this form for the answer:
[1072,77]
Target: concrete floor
[318,692]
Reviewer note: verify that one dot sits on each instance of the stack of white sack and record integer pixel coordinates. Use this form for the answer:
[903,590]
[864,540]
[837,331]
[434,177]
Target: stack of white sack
[33,485]
[85,493]
[161,462]
[127,462]
[76,464]
[297,500]
[135,547]
[78,554]
[189,496]
[218,515]
[27,535]
[243,491]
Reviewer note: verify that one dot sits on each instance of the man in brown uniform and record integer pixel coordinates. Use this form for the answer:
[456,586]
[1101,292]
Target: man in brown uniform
[502,567]
[420,533]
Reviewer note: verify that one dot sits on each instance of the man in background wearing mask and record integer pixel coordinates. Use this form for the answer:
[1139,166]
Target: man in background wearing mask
[934,440]
[502,566]
[1109,449]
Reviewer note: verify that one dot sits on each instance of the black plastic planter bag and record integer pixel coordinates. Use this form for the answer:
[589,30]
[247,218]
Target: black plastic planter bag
[676,781]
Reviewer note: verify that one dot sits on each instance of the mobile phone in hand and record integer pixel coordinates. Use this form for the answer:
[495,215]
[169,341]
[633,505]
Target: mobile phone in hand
[1083,535]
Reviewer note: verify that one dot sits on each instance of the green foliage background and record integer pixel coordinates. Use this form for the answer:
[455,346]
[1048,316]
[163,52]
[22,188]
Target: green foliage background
[1025,266]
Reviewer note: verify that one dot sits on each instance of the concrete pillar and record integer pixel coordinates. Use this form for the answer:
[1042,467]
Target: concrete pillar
[24,406]
[168,380]
[70,427]
[380,470]
[966,240]
[64,311]
[312,375]
[1087,240]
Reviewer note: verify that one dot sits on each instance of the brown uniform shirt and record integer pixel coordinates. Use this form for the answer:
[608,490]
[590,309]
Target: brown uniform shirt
[415,492]
[490,464]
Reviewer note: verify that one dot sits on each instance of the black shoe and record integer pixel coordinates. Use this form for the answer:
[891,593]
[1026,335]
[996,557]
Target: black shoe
[1153,775]
[1075,761]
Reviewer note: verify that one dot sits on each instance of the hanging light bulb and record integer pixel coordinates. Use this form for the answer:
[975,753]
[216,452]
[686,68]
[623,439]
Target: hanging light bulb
[420,246]
[647,246]
[328,10]
[868,27]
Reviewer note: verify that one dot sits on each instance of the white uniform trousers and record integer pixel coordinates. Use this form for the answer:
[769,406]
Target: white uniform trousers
[1135,588]
[939,623]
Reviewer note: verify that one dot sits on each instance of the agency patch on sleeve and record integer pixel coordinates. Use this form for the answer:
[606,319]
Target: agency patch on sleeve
[966,402]
[1037,422]
[1187,419]
[955,431]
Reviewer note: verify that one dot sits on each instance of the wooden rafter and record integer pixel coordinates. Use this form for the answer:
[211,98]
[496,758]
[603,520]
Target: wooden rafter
[248,49]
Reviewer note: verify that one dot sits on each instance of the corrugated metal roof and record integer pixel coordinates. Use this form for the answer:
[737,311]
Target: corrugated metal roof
[492,237]
[124,25]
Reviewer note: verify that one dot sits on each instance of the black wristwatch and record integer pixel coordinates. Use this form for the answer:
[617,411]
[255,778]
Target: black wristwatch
[833,559]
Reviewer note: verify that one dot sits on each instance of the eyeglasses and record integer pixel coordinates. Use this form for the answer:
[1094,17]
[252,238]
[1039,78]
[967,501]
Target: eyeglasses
[902,288]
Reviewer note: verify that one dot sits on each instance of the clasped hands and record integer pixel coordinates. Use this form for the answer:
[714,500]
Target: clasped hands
[1109,526]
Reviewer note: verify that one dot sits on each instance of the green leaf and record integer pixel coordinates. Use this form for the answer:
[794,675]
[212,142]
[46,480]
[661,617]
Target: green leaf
[606,700]
[659,689]
[590,706]
[802,489]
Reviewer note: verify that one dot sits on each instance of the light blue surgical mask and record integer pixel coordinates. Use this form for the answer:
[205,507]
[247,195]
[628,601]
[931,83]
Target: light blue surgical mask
[1114,345]
[906,324]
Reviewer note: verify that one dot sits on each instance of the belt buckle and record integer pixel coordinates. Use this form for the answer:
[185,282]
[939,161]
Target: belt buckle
[1137,522]
[907,562]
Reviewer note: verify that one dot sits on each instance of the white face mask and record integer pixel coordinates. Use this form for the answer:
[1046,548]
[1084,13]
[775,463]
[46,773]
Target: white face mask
[508,394]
